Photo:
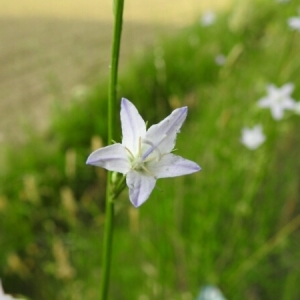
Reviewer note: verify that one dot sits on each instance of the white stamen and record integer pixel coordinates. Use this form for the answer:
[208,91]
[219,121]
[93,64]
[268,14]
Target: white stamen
[130,153]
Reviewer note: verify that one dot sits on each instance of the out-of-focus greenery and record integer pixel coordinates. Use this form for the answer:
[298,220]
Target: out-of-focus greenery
[235,224]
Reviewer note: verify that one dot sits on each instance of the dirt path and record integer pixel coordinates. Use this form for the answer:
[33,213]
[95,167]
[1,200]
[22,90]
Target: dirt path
[50,49]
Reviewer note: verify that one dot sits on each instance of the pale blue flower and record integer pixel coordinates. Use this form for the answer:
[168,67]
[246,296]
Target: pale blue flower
[144,155]
[278,100]
[252,138]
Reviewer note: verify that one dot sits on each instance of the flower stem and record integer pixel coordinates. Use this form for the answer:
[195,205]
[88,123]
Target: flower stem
[118,16]
[108,227]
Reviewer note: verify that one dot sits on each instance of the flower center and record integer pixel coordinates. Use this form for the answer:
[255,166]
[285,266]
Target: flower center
[138,162]
[279,99]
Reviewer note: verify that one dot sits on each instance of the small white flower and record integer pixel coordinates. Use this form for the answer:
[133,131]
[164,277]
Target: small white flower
[210,292]
[220,59]
[144,155]
[208,18]
[294,23]
[252,138]
[278,99]
[5,296]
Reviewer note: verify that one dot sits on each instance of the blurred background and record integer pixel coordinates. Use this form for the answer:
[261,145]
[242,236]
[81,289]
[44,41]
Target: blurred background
[51,49]
[233,227]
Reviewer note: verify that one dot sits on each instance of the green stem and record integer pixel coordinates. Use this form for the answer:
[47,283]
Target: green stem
[112,90]
[108,227]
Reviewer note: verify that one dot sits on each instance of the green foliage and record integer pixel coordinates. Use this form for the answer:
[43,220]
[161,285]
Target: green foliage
[235,224]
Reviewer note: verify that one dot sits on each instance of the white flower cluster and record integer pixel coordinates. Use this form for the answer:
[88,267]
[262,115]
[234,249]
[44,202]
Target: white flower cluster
[278,100]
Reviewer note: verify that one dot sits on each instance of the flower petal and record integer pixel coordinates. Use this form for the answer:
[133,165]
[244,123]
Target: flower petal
[289,103]
[277,112]
[162,136]
[172,165]
[140,187]
[112,158]
[264,102]
[133,126]
[287,89]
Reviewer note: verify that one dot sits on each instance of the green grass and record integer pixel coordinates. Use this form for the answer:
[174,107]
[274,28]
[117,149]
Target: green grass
[235,224]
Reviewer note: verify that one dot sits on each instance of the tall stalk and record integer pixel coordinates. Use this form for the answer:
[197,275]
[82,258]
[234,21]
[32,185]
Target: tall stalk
[109,214]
